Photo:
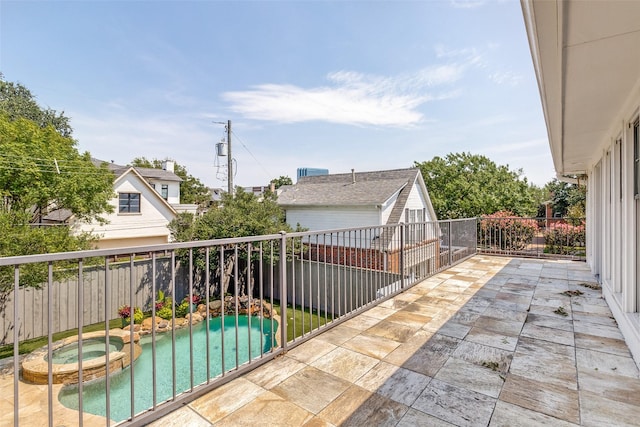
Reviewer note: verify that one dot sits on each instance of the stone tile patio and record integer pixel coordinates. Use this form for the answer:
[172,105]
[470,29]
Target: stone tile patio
[491,342]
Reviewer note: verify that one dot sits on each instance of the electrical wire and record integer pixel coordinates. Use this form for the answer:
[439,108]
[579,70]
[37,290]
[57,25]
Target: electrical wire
[269,174]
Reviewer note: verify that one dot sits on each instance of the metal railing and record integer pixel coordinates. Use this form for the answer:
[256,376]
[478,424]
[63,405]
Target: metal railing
[532,237]
[199,313]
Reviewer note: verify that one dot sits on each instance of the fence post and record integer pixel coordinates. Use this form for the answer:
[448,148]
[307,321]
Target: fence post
[402,231]
[283,290]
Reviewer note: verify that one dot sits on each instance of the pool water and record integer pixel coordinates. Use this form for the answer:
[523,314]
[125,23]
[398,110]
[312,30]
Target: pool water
[94,400]
[92,348]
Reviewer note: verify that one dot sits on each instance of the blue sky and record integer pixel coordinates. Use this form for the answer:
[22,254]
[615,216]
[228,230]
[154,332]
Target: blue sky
[368,85]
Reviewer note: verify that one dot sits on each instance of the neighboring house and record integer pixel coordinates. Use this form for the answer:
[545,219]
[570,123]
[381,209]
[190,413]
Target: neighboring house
[146,201]
[141,215]
[585,55]
[363,199]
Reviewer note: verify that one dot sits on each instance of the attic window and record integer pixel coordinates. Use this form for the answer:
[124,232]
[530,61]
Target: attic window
[129,202]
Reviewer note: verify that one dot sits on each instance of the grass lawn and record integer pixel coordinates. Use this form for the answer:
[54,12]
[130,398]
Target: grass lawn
[303,320]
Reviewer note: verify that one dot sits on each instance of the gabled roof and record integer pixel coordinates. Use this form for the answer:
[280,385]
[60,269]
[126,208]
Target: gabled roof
[153,193]
[369,188]
[146,173]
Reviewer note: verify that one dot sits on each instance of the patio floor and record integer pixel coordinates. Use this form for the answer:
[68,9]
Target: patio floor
[492,341]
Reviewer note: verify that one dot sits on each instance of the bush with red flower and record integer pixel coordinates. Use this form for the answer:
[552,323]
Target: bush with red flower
[124,312]
[563,238]
[506,231]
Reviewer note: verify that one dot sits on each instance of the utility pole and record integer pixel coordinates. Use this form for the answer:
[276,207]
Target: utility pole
[229,160]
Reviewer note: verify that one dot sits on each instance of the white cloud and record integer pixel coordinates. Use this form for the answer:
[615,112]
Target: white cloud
[350,98]
[467,4]
[506,77]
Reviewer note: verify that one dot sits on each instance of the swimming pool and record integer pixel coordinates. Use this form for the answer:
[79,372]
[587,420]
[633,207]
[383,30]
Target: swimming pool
[94,400]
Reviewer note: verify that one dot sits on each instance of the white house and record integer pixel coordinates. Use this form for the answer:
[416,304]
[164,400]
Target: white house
[357,199]
[140,217]
[379,200]
[587,60]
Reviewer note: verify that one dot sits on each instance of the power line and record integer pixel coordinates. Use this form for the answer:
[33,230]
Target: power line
[269,174]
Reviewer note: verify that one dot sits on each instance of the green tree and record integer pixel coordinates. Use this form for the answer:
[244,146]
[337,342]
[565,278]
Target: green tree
[280,181]
[18,101]
[41,170]
[241,215]
[566,197]
[192,190]
[465,185]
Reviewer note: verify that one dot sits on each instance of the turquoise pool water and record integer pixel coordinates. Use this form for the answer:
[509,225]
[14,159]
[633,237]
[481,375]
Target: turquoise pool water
[94,400]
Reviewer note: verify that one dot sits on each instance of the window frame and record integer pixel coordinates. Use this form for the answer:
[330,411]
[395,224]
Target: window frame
[126,208]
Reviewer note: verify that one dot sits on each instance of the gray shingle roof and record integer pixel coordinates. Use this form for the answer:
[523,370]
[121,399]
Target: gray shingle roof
[369,189]
[147,173]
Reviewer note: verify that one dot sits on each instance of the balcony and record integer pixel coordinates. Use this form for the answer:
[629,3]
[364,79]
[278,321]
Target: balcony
[425,334]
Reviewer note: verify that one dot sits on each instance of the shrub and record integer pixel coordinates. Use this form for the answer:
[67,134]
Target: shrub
[562,238]
[182,309]
[165,312]
[506,231]
[125,313]
[138,315]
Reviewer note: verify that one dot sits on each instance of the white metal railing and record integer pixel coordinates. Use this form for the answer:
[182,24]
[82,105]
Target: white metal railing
[209,310]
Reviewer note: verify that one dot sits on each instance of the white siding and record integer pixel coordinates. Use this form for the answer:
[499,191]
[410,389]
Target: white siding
[151,222]
[325,218]
[173,190]
[418,200]
[387,207]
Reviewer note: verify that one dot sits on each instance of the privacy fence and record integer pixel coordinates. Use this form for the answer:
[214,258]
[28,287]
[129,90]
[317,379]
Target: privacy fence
[203,312]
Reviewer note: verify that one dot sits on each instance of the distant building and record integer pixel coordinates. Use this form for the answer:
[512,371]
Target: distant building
[311,172]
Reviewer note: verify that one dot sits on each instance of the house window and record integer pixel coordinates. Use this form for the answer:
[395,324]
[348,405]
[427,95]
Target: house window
[414,219]
[165,191]
[129,203]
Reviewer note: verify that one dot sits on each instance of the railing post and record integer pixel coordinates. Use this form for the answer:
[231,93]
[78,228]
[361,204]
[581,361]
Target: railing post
[450,247]
[283,290]
[402,231]
[476,227]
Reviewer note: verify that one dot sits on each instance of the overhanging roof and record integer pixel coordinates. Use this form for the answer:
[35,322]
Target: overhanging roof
[587,61]
[369,188]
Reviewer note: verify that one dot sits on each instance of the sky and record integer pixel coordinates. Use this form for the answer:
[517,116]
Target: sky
[341,85]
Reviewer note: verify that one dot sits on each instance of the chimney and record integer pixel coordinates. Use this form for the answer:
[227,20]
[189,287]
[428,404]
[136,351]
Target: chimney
[353,176]
[168,165]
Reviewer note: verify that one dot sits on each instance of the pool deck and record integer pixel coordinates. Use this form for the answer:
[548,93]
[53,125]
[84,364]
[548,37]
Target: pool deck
[492,341]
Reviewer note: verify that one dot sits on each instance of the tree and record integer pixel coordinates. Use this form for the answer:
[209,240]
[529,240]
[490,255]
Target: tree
[282,180]
[241,215]
[463,185]
[17,101]
[566,198]
[41,170]
[192,190]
